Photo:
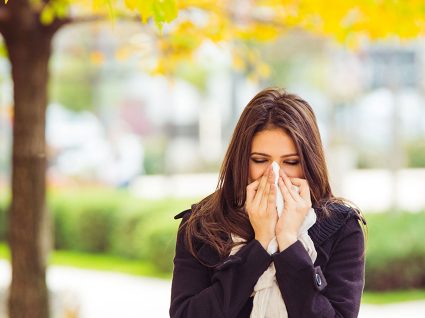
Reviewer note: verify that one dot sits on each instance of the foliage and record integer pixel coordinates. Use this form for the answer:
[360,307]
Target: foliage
[185,25]
[154,159]
[160,11]
[4,201]
[367,159]
[3,223]
[415,151]
[72,83]
[107,221]
[395,251]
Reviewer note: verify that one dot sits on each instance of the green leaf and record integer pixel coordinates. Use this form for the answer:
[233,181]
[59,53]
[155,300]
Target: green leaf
[60,8]
[47,15]
[145,9]
[165,10]
[131,4]
[3,50]
[111,10]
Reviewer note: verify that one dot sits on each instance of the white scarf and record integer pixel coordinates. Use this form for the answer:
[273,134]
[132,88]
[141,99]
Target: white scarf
[268,301]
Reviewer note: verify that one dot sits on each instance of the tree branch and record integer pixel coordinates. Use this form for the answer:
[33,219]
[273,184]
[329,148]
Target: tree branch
[58,23]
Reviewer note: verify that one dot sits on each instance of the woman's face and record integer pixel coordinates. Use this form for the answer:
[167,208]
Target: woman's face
[273,145]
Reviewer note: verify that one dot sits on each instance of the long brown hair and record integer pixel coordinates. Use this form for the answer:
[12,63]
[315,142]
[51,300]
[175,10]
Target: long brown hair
[222,212]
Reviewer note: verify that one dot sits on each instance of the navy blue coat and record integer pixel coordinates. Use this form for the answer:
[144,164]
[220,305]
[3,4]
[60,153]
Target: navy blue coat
[331,287]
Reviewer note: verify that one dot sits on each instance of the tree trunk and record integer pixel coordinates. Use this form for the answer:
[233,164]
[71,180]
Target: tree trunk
[29,49]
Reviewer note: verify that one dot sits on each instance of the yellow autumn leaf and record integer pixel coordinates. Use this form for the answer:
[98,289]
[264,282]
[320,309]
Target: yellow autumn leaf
[264,70]
[258,32]
[131,4]
[122,53]
[238,62]
[97,57]
[348,21]
[145,9]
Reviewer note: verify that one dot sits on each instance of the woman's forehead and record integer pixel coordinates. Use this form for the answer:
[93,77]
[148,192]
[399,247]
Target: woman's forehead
[268,142]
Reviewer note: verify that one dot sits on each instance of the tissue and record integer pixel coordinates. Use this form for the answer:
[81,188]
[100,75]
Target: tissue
[279,197]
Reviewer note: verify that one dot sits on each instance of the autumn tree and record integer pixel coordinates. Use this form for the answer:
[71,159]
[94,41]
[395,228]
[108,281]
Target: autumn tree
[28,27]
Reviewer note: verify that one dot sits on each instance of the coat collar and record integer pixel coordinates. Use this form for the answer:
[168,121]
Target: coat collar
[326,226]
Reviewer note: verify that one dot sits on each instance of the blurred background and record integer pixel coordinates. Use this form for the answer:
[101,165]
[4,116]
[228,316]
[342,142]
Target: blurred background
[139,117]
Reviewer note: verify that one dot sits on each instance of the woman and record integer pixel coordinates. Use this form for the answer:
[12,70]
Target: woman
[210,279]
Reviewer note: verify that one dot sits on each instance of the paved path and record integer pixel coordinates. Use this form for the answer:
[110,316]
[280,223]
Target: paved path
[104,294]
[111,295]
[411,309]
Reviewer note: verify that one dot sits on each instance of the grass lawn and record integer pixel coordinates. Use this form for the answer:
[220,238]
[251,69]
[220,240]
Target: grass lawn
[101,262]
[392,296]
[140,268]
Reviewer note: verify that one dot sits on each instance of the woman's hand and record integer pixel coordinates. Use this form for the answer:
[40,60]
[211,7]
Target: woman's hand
[261,207]
[295,209]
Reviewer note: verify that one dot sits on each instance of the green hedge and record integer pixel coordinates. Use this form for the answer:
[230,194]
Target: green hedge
[113,222]
[415,153]
[116,223]
[395,251]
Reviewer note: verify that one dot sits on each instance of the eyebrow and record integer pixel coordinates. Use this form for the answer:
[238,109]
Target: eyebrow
[266,155]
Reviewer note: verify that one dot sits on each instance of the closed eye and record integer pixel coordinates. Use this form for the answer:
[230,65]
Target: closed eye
[259,161]
[292,163]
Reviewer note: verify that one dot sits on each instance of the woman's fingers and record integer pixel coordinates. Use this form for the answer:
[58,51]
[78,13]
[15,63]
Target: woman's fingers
[304,188]
[293,192]
[263,182]
[271,202]
[287,198]
[270,196]
[250,190]
[263,203]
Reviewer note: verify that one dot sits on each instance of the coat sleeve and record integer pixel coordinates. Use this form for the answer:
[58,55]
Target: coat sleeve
[195,294]
[336,292]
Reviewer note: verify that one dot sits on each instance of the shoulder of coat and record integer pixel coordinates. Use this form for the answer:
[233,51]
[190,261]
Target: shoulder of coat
[327,226]
[182,214]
